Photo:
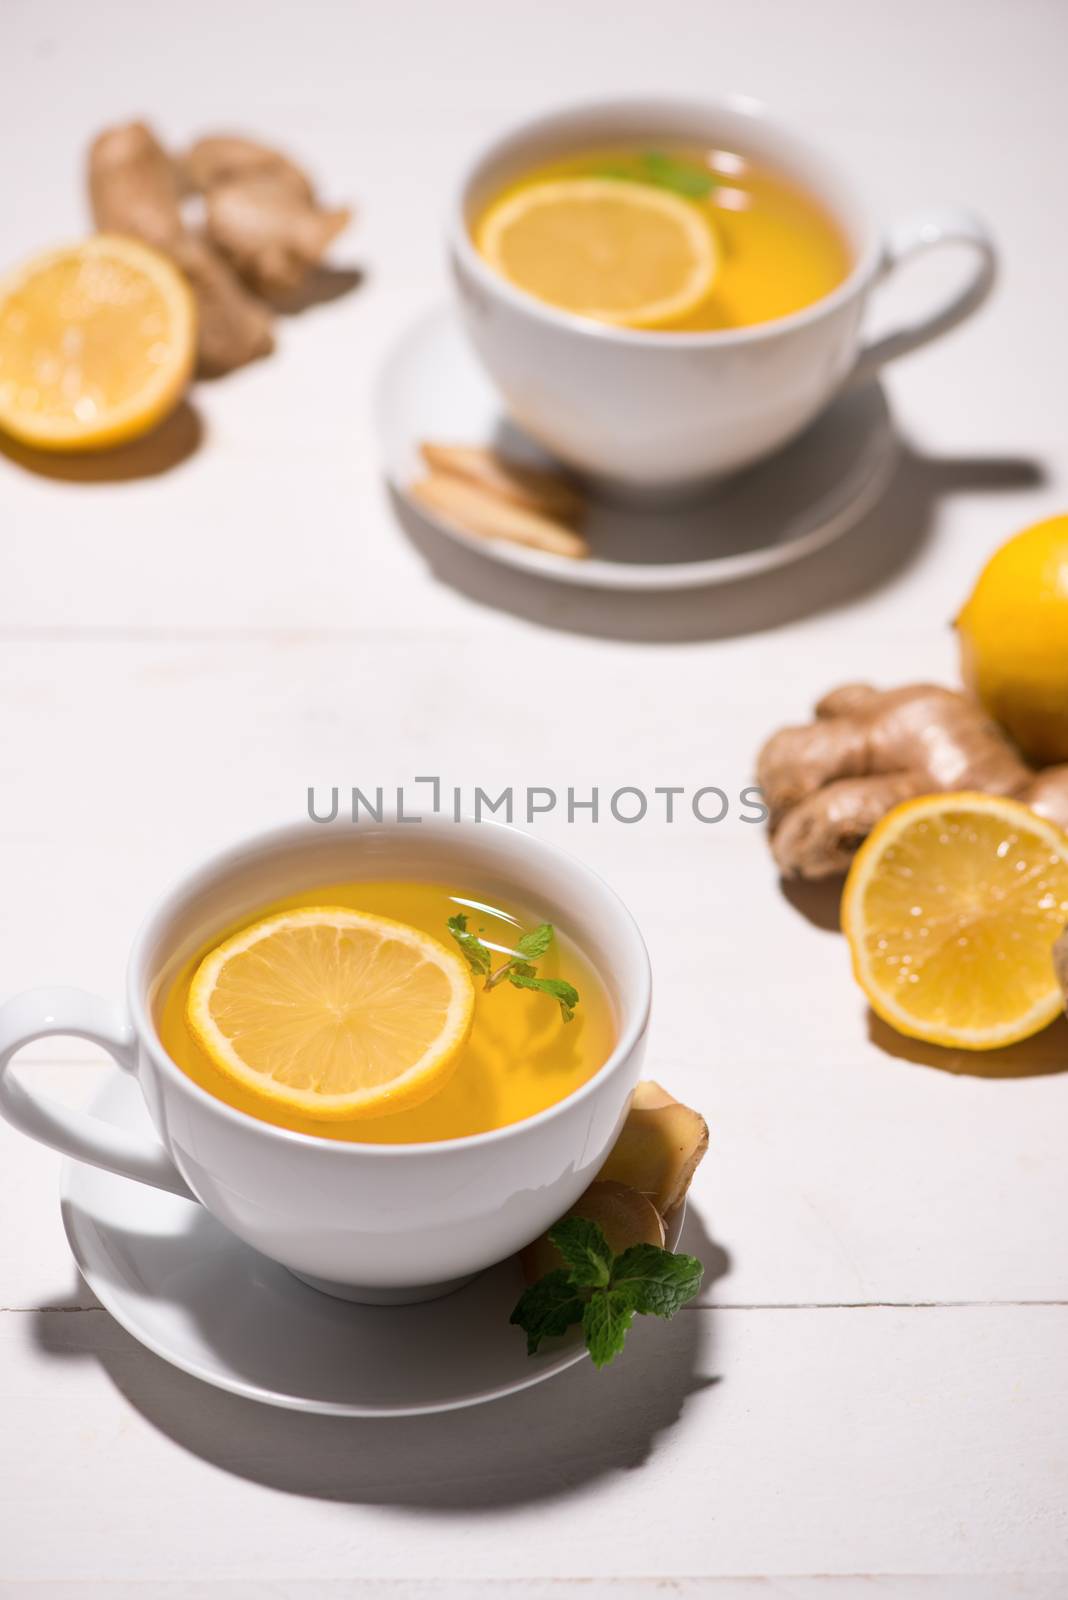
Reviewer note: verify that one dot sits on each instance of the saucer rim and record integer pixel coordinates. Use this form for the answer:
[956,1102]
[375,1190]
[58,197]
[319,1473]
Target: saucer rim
[850,501]
[117,1305]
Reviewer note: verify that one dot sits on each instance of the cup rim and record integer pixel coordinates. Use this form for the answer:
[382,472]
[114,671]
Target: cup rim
[864,269]
[189,884]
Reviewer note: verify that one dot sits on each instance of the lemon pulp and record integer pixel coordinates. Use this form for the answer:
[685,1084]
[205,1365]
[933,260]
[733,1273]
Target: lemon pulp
[951,908]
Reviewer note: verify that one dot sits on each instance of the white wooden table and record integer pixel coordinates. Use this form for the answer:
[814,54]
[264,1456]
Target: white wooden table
[873,1395]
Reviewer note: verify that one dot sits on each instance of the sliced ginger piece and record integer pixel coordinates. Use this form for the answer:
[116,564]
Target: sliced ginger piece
[660,1148]
[624,1216]
[650,1096]
[535,488]
[473,509]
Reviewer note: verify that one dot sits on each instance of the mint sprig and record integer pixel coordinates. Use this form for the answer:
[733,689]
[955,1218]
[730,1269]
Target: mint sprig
[518,970]
[472,949]
[655,167]
[602,1290]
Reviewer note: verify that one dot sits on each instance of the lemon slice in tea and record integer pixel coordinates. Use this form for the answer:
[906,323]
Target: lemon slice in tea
[333,1013]
[620,252]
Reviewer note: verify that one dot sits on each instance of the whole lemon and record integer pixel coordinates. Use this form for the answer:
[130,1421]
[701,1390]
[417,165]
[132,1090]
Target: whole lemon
[1014,640]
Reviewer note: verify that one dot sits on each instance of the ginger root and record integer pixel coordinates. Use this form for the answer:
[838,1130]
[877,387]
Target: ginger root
[261,212]
[638,1191]
[828,783]
[661,1145]
[227,158]
[264,228]
[624,1216]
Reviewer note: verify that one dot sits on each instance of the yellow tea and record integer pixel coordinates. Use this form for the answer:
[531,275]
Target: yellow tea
[519,1057]
[670,237]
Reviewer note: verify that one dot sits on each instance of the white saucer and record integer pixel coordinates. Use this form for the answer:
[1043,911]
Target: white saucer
[431,387]
[191,1292]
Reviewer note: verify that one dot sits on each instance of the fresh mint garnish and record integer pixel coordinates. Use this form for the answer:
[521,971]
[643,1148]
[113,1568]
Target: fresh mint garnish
[658,1281]
[687,178]
[518,970]
[536,942]
[473,950]
[684,177]
[548,1307]
[565,993]
[587,1257]
[603,1291]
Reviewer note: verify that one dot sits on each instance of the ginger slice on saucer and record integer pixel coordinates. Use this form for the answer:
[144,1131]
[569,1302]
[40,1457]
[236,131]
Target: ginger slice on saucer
[659,1149]
[624,1216]
[535,488]
[477,510]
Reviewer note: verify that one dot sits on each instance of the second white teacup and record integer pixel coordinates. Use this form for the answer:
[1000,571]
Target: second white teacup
[661,413]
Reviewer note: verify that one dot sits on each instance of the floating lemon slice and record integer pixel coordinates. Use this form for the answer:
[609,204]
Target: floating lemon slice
[97,343]
[620,252]
[333,1013]
[951,908]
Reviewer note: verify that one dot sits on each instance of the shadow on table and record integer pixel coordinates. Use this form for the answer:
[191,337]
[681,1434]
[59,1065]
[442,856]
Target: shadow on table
[819,902]
[883,545]
[166,447]
[1037,1057]
[540,1444]
[321,286]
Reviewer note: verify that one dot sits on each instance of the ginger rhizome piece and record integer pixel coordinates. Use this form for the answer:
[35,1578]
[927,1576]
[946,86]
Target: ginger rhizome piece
[624,1216]
[261,212]
[661,1145]
[135,188]
[643,1182]
[827,783]
[264,229]
[228,158]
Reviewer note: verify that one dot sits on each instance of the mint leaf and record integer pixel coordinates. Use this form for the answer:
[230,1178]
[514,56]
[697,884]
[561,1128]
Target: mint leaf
[603,1291]
[536,942]
[657,1281]
[605,1322]
[547,1308]
[474,952]
[662,171]
[565,993]
[585,1251]
[518,969]
[683,177]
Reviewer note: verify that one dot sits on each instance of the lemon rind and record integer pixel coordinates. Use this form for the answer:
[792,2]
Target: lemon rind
[152,403]
[1038,1016]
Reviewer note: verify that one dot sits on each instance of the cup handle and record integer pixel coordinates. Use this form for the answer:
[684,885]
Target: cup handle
[41,1014]
[928,230]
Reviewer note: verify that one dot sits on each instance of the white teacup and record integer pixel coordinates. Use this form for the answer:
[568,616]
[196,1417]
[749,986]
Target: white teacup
[364,1221]
[663,414]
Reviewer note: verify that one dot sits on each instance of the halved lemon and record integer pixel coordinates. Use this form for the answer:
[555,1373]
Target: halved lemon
[620,252]
[951,908]
[97,343]
[331,1012]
